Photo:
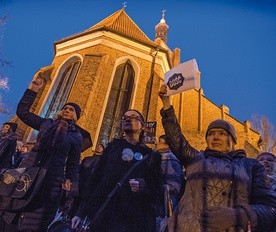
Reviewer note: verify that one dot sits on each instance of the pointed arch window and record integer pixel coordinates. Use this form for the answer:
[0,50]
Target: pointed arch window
[59,93]
[63,87]
[118,102]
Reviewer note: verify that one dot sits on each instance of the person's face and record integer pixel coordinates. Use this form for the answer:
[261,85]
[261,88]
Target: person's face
[269,163]
[68,112]
[218,139]
[161,145]
[5,128]
[131,122]
[24,149]
[18,148]
[99,149]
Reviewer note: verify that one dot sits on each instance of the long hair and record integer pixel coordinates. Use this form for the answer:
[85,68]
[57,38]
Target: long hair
[52,134]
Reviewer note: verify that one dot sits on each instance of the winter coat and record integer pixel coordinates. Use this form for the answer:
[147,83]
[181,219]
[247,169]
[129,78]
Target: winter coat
[7,149]
[87,166]
[127,210]
[215,178]
[272,181]
[173,173]
[64,164]
[17,158]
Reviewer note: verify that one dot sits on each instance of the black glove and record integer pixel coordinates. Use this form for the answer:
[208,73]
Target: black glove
[220,218]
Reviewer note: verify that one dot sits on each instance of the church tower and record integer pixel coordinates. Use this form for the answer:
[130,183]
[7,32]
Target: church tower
[161,29]
[113,66]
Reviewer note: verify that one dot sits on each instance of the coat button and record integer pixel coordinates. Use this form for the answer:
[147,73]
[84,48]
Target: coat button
[204,188]
[224,194]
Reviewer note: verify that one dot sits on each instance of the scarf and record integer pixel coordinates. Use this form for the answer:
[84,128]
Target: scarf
[52,135]
[239,153]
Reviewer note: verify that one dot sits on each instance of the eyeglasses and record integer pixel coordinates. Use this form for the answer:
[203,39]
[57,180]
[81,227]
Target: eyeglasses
[131,117]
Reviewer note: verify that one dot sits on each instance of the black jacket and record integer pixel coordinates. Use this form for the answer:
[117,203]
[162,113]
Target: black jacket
[66,152]
[7,150]
[127,210]
[64,158]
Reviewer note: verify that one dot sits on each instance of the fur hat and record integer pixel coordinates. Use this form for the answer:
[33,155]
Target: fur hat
[13,125]
[219,123]
[76,107]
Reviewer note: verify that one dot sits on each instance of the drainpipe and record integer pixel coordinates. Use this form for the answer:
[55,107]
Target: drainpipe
[153,54]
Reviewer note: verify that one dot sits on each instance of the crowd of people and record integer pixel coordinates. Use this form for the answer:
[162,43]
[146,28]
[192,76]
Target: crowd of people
[126,186]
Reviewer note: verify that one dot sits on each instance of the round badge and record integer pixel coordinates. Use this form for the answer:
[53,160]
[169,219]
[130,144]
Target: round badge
[127,155]
[138,156]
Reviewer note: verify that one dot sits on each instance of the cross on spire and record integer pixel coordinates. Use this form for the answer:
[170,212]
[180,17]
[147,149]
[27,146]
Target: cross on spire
[124,5]
[163,14]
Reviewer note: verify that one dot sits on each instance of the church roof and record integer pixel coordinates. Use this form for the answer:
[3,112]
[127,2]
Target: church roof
[121,23]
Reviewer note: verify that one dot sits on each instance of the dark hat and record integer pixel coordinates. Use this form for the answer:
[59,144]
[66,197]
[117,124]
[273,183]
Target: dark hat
[219,123]
[13,125]
[266,153]
[76,107]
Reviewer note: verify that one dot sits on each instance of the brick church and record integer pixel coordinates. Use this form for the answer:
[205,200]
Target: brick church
[113,66]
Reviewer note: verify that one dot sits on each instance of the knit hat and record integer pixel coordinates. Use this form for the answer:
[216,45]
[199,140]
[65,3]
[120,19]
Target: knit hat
[76,107]
[266,153]
[13,125]
[219,123]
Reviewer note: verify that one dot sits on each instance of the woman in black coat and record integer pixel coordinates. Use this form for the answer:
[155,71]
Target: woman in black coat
[8,139]
[58,147]
[131,207]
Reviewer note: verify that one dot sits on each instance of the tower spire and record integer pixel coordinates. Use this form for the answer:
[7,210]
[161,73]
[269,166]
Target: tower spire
[163,15]
[161,29]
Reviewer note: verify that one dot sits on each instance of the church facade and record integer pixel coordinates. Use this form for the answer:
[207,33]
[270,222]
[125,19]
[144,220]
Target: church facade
[113,66]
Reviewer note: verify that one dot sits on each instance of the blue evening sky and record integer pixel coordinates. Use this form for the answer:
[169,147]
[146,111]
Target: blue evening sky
[234,43]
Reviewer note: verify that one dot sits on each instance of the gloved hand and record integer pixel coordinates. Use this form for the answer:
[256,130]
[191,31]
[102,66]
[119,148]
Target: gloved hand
[220,218]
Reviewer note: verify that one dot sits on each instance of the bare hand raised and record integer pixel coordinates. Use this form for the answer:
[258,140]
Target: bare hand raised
[165,99]
[38,81]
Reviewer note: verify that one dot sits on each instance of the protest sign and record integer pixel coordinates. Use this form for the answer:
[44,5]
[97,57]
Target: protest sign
[183,77]
[150,132]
